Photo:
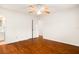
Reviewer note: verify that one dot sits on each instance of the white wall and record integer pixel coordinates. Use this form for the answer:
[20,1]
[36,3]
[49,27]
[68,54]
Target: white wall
[63,26]
[18,25]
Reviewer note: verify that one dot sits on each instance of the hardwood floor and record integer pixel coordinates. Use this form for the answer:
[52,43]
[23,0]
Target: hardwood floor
[38,46]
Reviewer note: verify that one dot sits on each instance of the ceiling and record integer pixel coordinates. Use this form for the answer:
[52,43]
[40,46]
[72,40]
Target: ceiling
[23,7]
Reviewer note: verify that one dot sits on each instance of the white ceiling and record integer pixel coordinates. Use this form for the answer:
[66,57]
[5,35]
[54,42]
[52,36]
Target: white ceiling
[15,7]
[23,7]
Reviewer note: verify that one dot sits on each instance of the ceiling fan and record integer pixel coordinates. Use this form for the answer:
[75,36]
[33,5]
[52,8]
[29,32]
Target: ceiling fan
[39,9]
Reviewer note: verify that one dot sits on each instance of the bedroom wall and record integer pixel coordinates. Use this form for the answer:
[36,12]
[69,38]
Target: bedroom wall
[17,25]
[62,26]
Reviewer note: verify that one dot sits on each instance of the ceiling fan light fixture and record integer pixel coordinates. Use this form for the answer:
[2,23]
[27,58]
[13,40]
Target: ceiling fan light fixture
[39,9]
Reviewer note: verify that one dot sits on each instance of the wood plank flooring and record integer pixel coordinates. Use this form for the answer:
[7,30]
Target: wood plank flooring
[38,46]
